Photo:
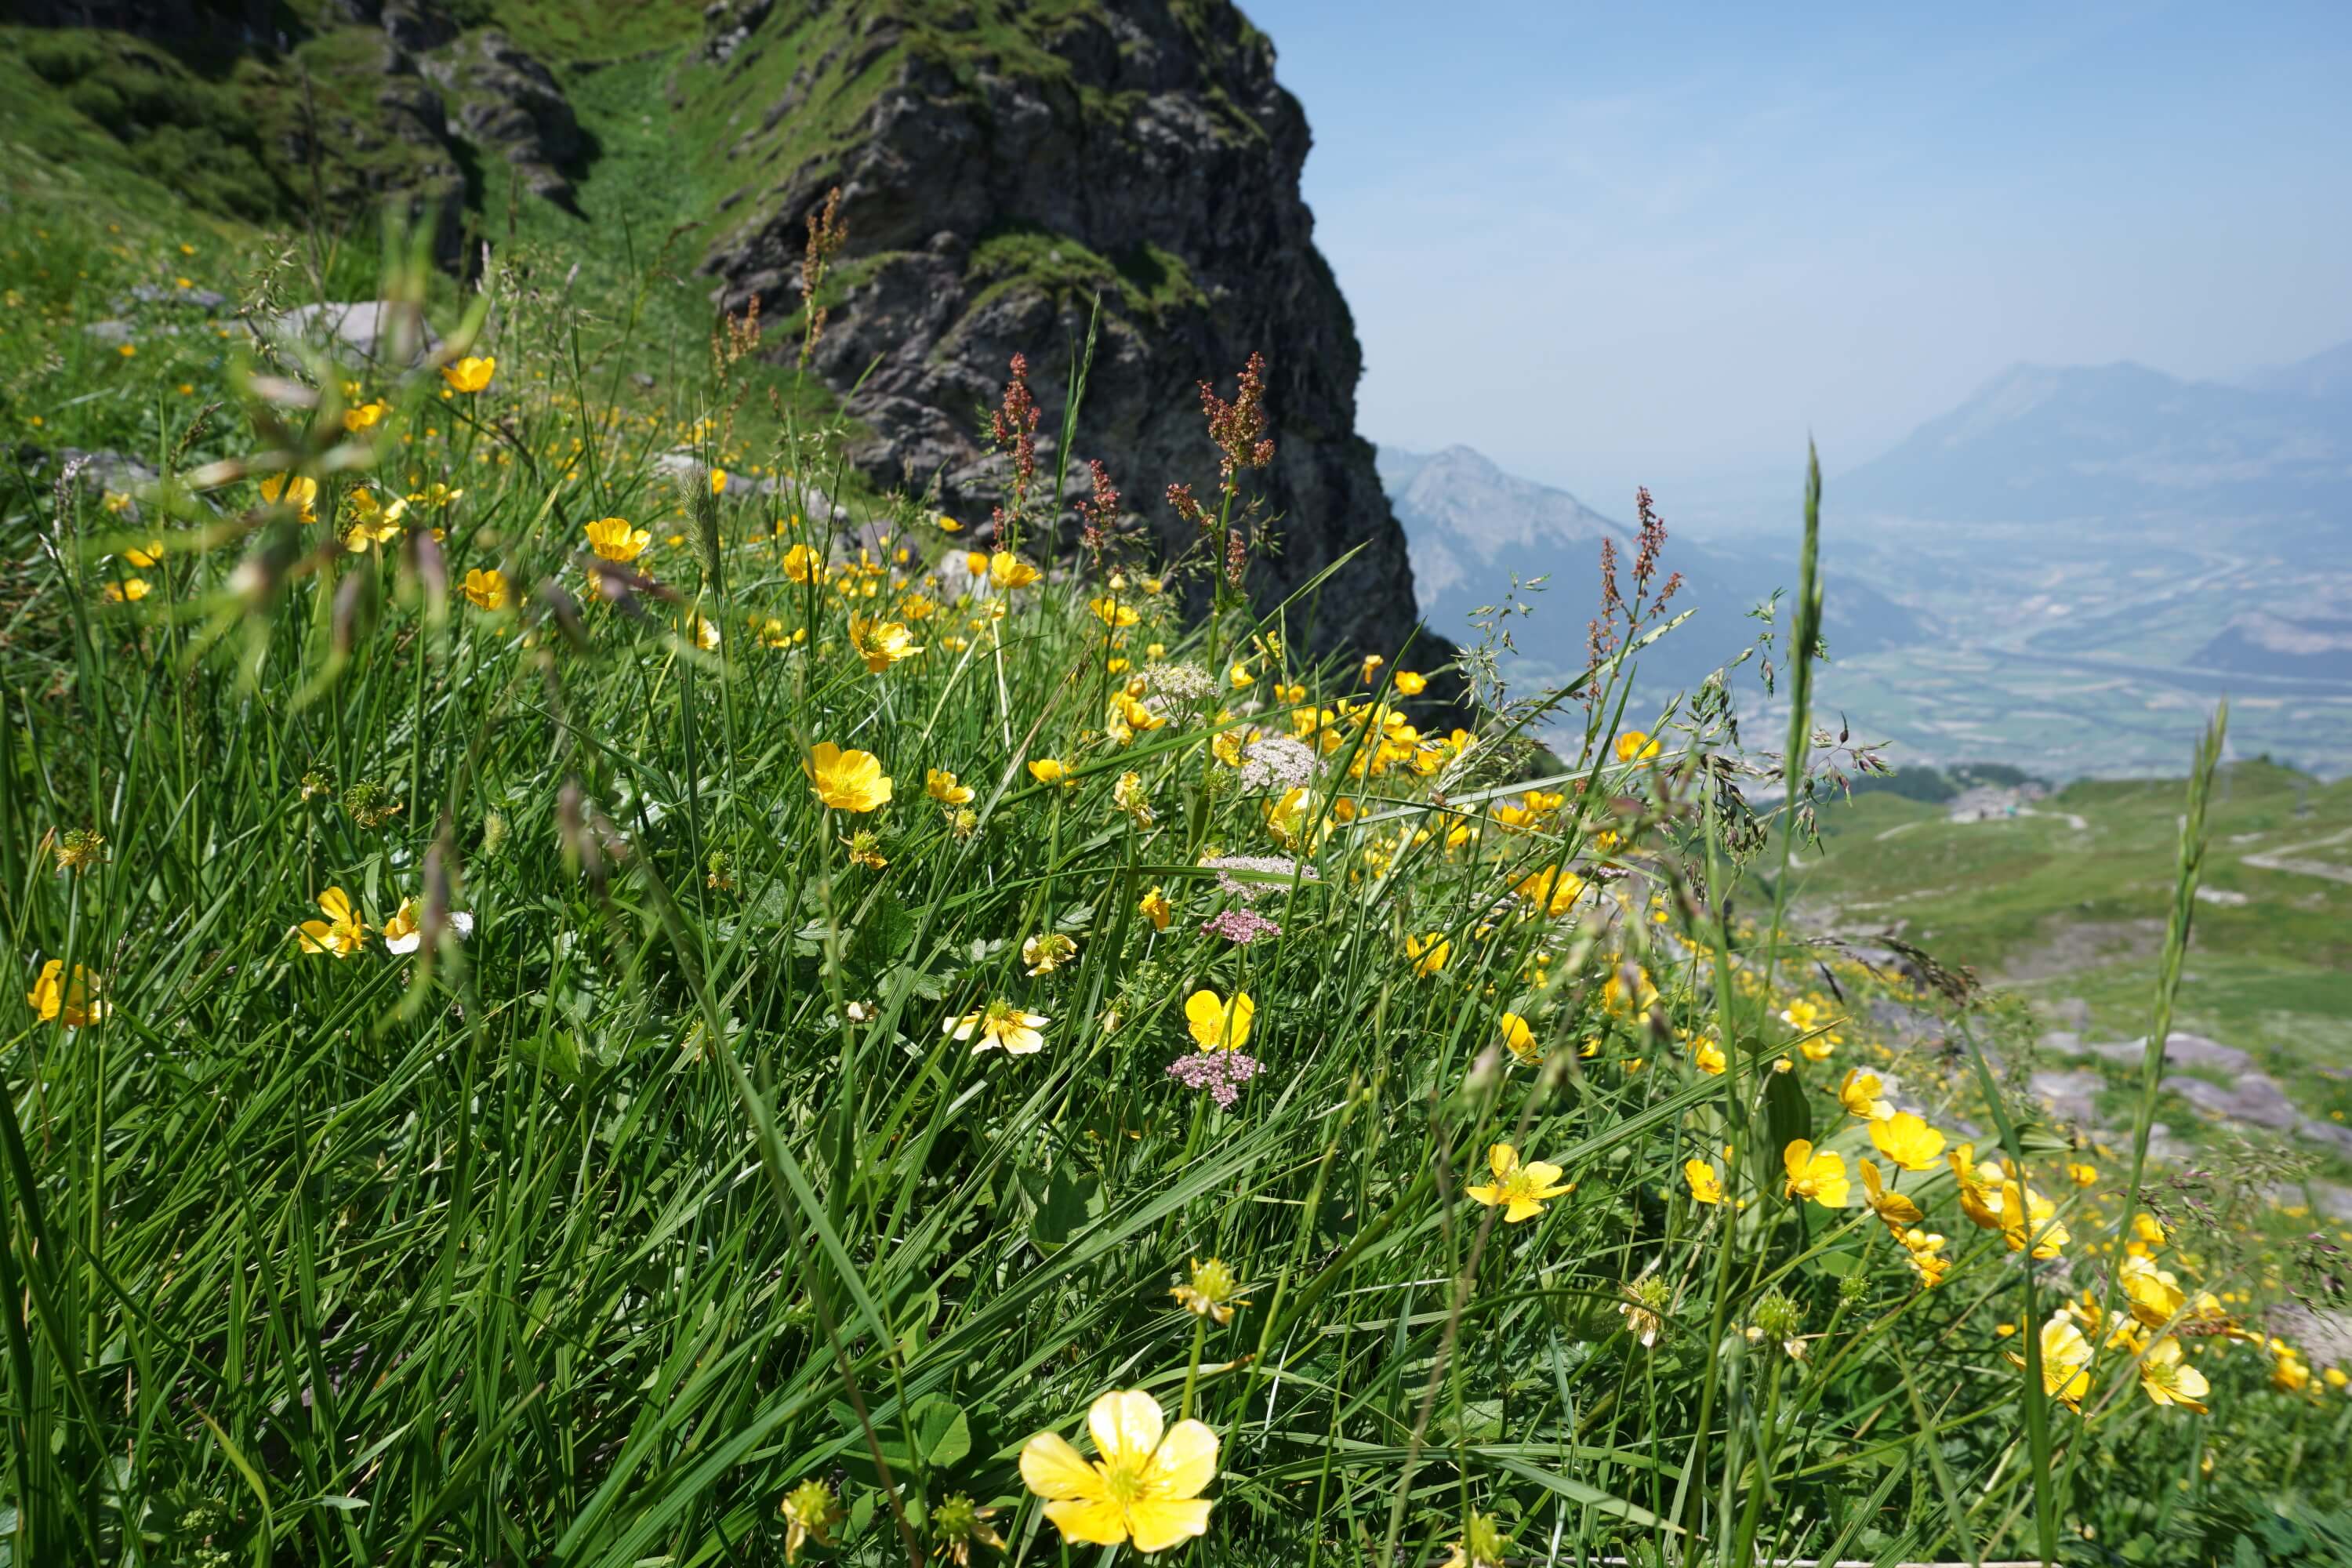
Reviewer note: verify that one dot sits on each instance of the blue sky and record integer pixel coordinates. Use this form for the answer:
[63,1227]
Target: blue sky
[1614,245]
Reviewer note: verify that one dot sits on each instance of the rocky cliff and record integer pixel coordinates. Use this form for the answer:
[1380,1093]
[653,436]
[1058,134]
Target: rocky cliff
[1001,167]
[1004,165]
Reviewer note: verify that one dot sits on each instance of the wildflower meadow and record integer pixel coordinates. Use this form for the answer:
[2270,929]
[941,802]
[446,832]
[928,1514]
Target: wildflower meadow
[594,988]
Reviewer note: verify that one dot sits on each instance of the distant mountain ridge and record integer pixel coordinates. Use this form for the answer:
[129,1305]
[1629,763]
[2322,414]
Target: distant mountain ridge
[2122,444]
[1469,526]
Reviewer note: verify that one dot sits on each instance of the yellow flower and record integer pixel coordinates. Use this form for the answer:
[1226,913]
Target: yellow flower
[149,555]
[341,933]
[1553,891]
[1372,663]
[74,1001]
[1044,954]
[1900,1212]
[130,590]
[1429,953]
[1708,1057]
[2154,1293]
[1520,1191]
[376,522]
[941,787]
[1008,570]
[1130,796]
[1705,1187]
[1862,1095]
[1908,1140]
[1978,1201]
[2065,1361]
[1520,1040]
[1000,1026]
[2165,1379]
[846,781]
[487,590]
[1411,684]
[2027,1211]
[365,416]
[1112,613]
[880,643]
[1051,770]
[614,539]
[719,482]
[1144,1486]
[471,373]
[1218,1025]
[1212,1292]
[1239,677]
[298,491]
[810,1513]
[1924,1251]
[1635,746]
[1819,1176]
[2290,1373]
[803,565]
[2083,1173]
[1154,906]
[866,850]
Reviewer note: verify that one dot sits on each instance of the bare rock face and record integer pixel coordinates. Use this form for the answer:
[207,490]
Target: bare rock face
[1151,158]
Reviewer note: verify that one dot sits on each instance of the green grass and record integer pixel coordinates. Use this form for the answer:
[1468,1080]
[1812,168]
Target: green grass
[590,1238]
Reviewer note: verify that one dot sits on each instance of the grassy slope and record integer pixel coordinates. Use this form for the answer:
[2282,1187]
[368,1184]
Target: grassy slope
[2056,912]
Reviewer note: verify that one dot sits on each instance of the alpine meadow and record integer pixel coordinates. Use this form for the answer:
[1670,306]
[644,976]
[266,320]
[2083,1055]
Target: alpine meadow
[707,883]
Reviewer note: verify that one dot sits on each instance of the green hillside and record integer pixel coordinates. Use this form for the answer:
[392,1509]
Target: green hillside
[2063,904]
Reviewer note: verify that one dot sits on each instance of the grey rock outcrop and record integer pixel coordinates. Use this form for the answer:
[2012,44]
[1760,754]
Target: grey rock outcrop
[1157,162]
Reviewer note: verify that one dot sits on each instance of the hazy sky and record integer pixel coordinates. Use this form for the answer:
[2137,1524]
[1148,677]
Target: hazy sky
[1610,244]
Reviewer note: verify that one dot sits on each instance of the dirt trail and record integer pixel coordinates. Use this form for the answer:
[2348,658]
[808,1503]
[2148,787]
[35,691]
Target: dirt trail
[2283,860]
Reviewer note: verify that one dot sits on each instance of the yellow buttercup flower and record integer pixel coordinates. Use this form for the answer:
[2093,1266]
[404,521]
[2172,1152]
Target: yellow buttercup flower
[1371,670]
[1008,570]
[1051,771]
[1635,746]
[1979,1201]
[1112,613]
[74,1001]
[1708,1057]
[942,786]
[341,934]
[2166,1379]
[1239,677]
[1410,683]
[1705,1186]
[2081,1173]
[1908,1140]
[615,539]
[803,565]
[1820,1176]
[719,482]
[2024,1211]
[471,373]
[1211,1293]
[1519,1190]
[487,590]
[1520,1040]
[1553,891]
[846,781]
[881,643]
[1924,1251]
[1862,1095]
[1044,954]
[1144,1485]
[130,590]
[2065,1361]
[1154,906]
[365,416]
[1000,1025]
[1900,1212]
[298,491]
[2154,1293]
[1429,953]
[1219,1026]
